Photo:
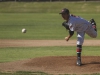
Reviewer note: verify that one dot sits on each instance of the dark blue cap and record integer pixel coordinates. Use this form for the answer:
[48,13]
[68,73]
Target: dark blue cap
[63,11]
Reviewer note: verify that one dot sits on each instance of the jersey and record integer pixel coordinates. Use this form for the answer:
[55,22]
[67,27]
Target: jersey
[78,24]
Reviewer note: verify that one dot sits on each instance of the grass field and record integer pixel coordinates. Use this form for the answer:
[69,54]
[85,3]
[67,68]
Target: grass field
[25,73]
[38,25]
[12,54]
[38,73]
[49,7]
[42,21]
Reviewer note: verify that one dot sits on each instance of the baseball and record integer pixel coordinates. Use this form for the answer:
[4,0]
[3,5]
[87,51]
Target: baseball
[23,30]
[66,38]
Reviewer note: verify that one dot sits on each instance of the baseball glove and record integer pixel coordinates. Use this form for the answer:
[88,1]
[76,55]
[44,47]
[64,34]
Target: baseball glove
[65,25]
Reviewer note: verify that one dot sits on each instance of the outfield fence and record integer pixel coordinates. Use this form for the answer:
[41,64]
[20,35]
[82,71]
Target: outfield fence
[47,0]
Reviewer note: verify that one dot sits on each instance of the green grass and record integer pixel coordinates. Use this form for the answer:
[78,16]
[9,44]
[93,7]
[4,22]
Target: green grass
[38,73]
[12,54]
[25,73]
[38,25]
[49,7]
[41,19]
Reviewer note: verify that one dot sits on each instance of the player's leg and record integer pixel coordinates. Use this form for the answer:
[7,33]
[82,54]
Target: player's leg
[79,50]
[80,40]
[92,30]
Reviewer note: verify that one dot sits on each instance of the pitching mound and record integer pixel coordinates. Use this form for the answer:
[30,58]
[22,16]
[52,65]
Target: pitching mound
[55,65]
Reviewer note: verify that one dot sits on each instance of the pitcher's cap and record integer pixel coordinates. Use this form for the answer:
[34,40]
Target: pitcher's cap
[63,11]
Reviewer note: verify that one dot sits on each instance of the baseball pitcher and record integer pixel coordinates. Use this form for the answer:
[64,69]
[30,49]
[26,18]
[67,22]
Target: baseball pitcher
[81,26]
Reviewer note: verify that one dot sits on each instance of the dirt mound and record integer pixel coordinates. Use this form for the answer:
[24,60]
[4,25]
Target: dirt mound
[52,64]
[55,65]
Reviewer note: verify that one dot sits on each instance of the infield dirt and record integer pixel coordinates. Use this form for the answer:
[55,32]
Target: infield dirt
[52,64]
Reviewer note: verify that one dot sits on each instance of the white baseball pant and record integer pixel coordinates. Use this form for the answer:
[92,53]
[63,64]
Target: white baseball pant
[90,31]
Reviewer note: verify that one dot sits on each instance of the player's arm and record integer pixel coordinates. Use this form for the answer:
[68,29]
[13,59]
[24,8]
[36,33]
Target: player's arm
[71,33]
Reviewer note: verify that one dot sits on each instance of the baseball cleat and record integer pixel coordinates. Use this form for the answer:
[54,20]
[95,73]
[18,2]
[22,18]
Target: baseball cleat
[92,21]
[79,61]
